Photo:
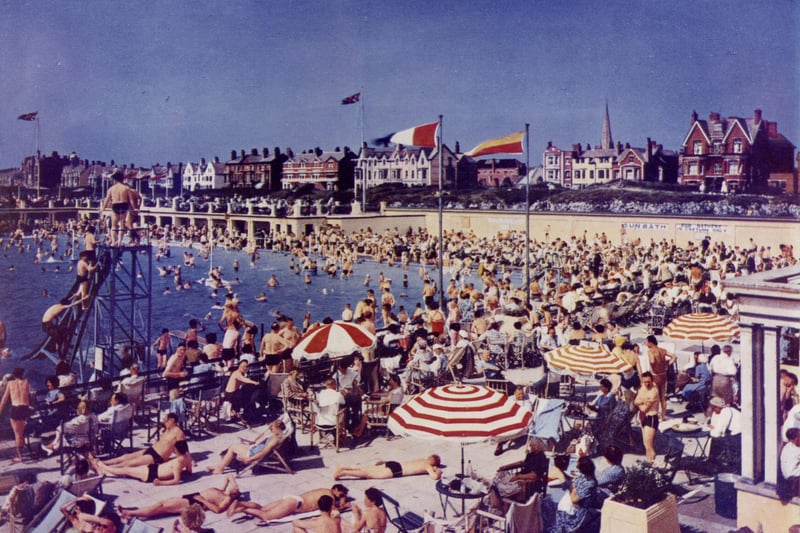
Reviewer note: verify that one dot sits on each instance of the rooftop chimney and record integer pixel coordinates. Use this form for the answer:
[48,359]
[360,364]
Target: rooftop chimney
[694,117]
[233,155]
[757,116]
[714,117]
[242,153]
[649,149]
[265,152]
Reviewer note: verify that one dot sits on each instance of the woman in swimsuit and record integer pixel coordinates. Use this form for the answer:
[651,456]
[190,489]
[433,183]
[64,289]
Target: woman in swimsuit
[18,392]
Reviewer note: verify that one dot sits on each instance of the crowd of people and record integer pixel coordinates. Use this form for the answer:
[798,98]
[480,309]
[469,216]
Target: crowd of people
[581,290]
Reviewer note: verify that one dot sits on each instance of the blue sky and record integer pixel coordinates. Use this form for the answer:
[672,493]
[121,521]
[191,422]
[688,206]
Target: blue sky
[145,82]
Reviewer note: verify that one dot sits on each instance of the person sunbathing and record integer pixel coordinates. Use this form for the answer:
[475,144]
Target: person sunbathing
[324,523]
[156,454]
[168,473]
[289,505]
[210,499]
[431,465]
[251,452]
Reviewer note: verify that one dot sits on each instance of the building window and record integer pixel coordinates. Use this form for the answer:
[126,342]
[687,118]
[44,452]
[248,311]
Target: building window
[697,148]
[551,160]
[717,169]
[737,146]
[693,170]
[717,147]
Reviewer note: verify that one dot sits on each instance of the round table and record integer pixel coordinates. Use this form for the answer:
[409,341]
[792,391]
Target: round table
[445,493]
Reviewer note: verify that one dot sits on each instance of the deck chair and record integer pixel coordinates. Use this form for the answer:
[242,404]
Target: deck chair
[113,435]
[274,382]
[455,364]
[520,518]
[322,416]
[135,394]
[499,385]
[140,526]
[203,411]
[547,419]
[79,440]
[51,519]
[276,459]
[299,410]
[404,521]
[377,413]
[90,485]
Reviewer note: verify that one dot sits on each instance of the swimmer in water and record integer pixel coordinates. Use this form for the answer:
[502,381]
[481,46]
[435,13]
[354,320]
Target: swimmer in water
[261,297]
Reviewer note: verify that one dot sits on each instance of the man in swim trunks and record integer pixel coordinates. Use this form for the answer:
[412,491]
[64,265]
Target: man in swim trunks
[272,347]
[252,452]
[175,371]
[648,401]
[289,505]
[210,499]
[431,465]
[166,473]
[118,199]
[156,454]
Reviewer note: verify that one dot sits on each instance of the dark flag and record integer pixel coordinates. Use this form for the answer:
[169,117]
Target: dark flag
[352,99]
[28,116]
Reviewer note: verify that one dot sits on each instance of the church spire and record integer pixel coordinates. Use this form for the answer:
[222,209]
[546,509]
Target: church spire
[607,142]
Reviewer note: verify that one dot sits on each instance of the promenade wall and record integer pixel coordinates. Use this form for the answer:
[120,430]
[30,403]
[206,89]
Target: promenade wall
[681,230]
[732,231]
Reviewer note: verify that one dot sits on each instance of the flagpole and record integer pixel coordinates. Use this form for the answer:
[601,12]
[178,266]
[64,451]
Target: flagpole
[38,162]
[527,213]
[441,231]
[363,119]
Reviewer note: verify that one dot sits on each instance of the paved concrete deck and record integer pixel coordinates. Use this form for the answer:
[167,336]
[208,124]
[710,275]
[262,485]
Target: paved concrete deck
[315,469]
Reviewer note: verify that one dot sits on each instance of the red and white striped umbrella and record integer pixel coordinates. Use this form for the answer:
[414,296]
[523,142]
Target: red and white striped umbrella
[701,327]
[586,358]
[336,339]
[468,413]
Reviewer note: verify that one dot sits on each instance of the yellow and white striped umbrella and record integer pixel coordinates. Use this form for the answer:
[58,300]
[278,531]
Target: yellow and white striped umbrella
[586,358]
[701,327]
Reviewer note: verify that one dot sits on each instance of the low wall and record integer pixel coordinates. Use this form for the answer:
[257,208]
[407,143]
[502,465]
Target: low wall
[732,231]
[764,512]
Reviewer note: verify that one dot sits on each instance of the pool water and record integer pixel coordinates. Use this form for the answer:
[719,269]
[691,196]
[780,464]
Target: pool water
[23,301]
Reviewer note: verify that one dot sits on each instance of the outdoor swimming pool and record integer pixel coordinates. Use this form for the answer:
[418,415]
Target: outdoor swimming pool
[24,302]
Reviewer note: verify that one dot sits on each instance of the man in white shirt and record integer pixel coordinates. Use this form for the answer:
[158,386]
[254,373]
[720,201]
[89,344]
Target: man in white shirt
[725,428]
[118,401]
[790,455]
[326,398]
[725,420]
[723,374]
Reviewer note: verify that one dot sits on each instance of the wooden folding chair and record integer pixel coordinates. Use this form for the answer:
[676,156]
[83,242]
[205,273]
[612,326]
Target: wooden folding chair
[336,431]
[377,413]
[299,410]
[276,459]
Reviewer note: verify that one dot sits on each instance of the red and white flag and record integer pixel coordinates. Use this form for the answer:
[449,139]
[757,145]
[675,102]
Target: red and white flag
[28,116]
[423,135]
